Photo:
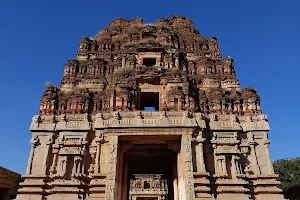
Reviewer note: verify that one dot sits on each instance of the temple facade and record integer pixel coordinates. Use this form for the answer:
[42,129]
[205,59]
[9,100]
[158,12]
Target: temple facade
[149,112]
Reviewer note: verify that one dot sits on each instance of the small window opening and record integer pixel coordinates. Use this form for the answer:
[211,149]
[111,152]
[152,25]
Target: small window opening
[149,101]
[146,185]
[149,61]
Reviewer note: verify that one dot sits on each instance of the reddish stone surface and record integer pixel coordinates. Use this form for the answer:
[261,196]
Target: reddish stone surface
[189,72]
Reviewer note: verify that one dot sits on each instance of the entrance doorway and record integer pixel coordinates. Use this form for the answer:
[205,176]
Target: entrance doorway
[153,163]
[149,101]
[150,170]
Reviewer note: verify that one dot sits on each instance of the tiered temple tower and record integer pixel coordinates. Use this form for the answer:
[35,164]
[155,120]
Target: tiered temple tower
[149,112]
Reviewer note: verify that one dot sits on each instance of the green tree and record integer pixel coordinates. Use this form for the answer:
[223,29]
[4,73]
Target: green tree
[289,173]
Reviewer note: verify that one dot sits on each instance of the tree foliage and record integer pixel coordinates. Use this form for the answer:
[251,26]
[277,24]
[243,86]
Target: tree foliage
[289,173]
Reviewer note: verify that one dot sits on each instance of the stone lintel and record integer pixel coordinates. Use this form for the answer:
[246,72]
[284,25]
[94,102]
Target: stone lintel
[163,131]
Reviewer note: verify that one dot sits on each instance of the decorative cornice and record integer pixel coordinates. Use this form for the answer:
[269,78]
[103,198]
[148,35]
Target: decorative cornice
[144,119]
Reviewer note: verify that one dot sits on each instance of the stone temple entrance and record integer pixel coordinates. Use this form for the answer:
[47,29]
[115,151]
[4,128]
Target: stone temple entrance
[150,171]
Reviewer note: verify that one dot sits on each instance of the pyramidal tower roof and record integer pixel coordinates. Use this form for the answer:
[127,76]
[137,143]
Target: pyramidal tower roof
[111,71]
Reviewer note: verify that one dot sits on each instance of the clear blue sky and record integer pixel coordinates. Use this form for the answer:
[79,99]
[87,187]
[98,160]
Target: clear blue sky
[38,37]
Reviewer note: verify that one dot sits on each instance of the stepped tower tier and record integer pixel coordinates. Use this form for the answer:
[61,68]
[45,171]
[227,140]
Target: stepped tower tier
[149,112]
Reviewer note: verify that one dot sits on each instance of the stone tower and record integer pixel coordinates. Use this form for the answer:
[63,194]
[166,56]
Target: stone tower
[149,112]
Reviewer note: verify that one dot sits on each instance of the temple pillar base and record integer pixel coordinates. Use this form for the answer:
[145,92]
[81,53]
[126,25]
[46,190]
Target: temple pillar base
[233,196]
[232,189]
[97,190]
[269,196]
[32,188]
[202,183]
[73,189]
[265,187]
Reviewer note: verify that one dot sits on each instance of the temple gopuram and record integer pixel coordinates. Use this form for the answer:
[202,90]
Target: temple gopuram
[149,112]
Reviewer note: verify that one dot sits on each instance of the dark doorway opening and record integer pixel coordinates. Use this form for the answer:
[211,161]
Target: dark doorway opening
[153,159]
[149,61]
[149,101]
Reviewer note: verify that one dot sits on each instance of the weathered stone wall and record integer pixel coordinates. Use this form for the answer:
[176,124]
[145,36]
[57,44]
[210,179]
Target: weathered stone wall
[221,156]
[9,182]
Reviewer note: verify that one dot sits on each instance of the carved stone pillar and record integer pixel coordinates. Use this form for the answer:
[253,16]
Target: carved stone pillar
[97,165]
[177,62]
[33,143]
[45,166]
[77,165]
[270,165]
[220,165]
[54,162]
[199,140]
[62,166]
[186,150]
[264,182]
[91,169]
[112,166]
[254,163]
[236,167]
[98,182]
[202,183]
[84,156]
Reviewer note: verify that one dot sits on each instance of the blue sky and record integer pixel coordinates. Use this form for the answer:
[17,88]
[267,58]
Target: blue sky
[38,37]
